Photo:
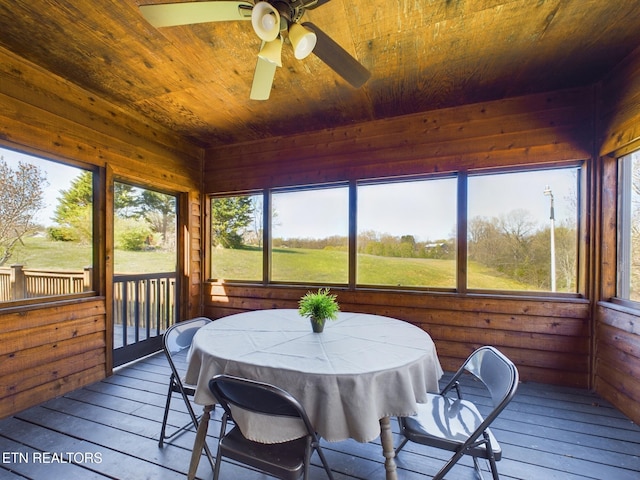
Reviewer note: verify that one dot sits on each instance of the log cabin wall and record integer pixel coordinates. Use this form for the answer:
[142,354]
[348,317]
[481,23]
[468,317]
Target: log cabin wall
[549,339]
[53,347]
[617,326]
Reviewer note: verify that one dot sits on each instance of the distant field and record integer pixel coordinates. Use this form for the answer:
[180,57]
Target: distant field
[288,264]
[330,266]
[38,252]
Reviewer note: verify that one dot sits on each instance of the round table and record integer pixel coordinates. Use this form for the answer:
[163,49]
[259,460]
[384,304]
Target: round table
[350,378]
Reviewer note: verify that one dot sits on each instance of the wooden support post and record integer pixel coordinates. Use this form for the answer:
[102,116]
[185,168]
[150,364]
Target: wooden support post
[18,282]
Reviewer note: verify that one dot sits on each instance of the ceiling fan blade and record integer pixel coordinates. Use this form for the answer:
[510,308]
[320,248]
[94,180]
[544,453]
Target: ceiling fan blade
[171,14]
[311,4]
[338,58]
[262,79]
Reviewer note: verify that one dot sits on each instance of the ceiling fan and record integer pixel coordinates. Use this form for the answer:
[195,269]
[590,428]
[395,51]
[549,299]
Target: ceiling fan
[272,21]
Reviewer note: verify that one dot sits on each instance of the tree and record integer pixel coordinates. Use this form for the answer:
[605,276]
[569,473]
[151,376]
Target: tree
[257,219]
[21,197]
[74,211]
[229,218]
[158,209]
[125,200]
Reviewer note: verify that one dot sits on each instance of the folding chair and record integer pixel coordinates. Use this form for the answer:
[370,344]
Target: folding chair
[286,460]
[455,424]
[176,342]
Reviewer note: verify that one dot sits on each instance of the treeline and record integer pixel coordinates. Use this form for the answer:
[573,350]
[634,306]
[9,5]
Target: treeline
[515,246]
[374,243]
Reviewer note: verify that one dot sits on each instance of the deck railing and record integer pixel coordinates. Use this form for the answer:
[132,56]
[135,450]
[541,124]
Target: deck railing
[144,305]
[18,283]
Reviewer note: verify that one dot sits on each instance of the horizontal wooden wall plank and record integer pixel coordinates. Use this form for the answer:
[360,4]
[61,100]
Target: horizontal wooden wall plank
[451,124]
[49,390]
[525,130]
[52,371]
[549,340]
[623,383]
[617,354]
[627,404]
[31,84]
[33,337]
[619,107]
[28,359]
[22,318]
[29,125]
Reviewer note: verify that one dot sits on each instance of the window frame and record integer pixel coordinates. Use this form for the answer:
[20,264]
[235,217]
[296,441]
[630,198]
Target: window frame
[268,226]
[623,211]
[97,176]
[581,247]
[460,288]
[397,180]
[266,242]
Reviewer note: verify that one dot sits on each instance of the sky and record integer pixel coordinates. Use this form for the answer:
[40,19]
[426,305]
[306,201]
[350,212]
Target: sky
[59,177]
[424,209]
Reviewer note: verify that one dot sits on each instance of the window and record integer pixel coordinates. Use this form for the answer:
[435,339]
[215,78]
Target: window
[309,232]
[519,228]
[236,237]
[629,227]
[46,228]
[407,233]
[523,230]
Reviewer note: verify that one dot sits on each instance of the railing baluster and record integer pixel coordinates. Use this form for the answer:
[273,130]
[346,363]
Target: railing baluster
[125,311]
[148,306]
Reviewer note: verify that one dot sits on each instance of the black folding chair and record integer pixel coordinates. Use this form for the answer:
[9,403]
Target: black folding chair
[455,424]
[286,460]
[176,342]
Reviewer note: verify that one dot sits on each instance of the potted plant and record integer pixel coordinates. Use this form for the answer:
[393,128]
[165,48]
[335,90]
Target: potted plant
[319,307]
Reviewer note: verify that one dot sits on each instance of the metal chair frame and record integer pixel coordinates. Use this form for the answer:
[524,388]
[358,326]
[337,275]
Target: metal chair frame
[176,339]
[287,460]
[500,377]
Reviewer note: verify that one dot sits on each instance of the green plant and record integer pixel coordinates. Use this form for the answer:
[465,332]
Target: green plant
[319,306]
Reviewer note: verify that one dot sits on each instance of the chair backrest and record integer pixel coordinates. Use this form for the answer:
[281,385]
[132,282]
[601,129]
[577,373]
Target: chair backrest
[496,371]
[178,337]
[257,397]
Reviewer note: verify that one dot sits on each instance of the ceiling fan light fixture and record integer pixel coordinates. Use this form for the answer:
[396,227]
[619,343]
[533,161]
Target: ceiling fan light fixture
[266,21]
[272,51]
[302,39]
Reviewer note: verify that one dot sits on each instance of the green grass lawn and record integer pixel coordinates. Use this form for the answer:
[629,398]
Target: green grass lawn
[288,265]
[331,266]
[41,253]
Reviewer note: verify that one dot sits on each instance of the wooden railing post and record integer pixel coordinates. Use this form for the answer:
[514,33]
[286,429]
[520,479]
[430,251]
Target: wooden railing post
[17,282]
[87,279]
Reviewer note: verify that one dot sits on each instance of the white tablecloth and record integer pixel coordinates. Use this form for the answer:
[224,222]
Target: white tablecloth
[360,369]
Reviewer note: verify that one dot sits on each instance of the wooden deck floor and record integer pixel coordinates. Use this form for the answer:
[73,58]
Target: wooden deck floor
[110,430]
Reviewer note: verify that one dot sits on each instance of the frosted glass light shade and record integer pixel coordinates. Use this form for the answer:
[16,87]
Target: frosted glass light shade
[266,21]
[302,39]
[272,51]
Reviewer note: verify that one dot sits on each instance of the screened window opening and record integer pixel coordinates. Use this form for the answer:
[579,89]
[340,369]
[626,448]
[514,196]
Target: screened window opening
[236,237]
[523,231]
[309,235]
[407,233]
[629,227]
[46,228]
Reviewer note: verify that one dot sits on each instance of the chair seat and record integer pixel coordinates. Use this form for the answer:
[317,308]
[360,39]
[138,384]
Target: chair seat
[284,460]
[446,423]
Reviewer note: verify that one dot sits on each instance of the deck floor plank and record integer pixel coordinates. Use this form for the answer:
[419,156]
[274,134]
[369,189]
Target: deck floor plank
[546,432]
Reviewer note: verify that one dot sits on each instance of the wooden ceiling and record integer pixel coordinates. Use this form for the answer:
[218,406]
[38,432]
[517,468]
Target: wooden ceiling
[422,55]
